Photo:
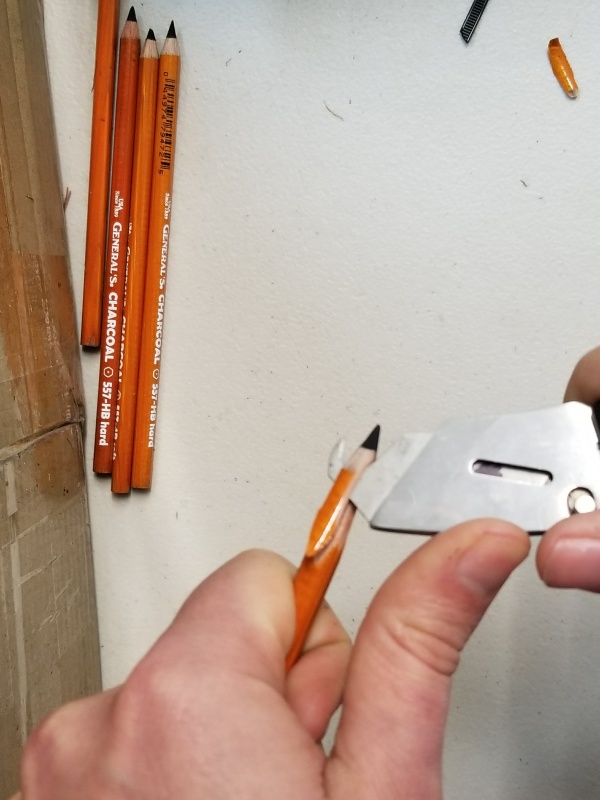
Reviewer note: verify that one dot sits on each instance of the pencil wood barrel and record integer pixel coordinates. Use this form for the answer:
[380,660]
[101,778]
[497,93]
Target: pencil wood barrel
[159,227]
[310,585]
[326,543]
[141,186]
[102,118]
[116,253]
[49,651]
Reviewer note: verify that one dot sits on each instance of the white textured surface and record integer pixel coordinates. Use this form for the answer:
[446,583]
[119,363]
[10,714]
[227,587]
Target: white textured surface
[434,252]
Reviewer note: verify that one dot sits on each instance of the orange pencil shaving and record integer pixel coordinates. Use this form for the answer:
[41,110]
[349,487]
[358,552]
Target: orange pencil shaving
[102,114]
[326,543]
[561,68]
[136,265]
[159,227]
[116,255]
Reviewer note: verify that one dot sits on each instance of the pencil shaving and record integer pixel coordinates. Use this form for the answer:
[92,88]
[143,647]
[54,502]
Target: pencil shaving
[562,69]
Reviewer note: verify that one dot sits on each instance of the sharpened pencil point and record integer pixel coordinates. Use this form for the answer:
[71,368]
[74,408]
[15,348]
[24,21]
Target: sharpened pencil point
[171,32]
[131,17]
[372,440]
[151,35]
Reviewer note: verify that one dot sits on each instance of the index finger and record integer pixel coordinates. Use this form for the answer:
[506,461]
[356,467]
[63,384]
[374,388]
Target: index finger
[584,383]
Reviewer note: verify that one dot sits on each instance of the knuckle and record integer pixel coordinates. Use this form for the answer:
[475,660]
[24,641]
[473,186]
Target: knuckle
[42,752]
[429,644]
[147,692]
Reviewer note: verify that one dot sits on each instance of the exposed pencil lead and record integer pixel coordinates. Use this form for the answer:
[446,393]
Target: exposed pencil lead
[372,440]
[151,35]
[131,17]
[171,32]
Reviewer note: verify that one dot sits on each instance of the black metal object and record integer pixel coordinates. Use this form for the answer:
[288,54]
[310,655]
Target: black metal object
[472,19]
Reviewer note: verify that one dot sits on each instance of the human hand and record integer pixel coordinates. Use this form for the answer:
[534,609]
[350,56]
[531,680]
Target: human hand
[569,553]
[211,713]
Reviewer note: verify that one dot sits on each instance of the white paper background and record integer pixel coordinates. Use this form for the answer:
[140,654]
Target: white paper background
[433,253]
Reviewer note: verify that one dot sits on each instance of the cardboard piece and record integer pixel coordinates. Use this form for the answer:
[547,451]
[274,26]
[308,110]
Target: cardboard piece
[49,651]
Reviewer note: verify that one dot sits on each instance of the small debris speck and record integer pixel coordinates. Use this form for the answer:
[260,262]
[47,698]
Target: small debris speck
[332,112]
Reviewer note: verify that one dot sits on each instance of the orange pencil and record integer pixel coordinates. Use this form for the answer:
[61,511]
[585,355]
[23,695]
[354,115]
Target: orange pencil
[116,255]
[102,111]
[136,265]
[326,543]
[156,269]
[561,68]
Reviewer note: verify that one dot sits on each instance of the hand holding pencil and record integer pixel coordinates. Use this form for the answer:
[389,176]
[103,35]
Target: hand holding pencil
[209,712]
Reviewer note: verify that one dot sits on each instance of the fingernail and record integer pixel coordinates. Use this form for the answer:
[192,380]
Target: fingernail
[491,558]
[574,562]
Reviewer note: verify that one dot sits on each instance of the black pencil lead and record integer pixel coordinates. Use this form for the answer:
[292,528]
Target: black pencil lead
[372,440]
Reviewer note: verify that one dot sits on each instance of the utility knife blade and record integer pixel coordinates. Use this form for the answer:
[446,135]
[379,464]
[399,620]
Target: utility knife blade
[532,468]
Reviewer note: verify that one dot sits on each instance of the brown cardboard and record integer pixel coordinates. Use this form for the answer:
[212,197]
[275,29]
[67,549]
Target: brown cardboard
[49,650]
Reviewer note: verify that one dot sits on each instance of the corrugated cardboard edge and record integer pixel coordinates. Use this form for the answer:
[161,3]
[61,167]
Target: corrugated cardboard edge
[48,625]
[49,650]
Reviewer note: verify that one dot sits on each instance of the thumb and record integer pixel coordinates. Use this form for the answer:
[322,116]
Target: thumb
[397,692]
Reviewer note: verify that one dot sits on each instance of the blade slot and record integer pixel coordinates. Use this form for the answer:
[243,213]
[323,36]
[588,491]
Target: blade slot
[511,472]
